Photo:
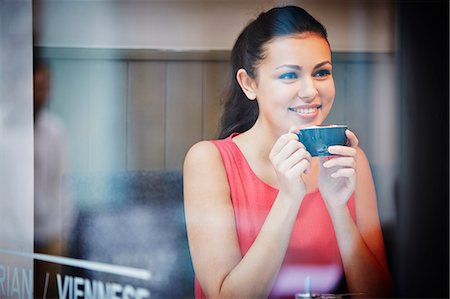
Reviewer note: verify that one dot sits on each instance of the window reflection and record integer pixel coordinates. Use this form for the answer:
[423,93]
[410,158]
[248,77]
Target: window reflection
[16,149]
[134,87]
[53,211]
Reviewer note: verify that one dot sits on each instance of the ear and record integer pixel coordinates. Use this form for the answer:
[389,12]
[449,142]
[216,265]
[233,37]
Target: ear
[248,85]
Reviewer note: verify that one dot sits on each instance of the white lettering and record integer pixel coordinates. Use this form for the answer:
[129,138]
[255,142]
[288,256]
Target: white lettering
[116,289]
[2,280]
[142,293]
[89,292]
[100,290]
[128,292]
[15,289]
[8,289]
[27,286]
[77,287]
[63,291]
[15,282]
[77,292]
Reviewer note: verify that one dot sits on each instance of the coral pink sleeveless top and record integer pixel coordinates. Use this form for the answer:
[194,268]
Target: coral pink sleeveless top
[312,259]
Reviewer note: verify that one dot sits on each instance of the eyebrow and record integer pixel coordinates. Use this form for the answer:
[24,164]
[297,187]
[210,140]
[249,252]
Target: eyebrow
[297,67]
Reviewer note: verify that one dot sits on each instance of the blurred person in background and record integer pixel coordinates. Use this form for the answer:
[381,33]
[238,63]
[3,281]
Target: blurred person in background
[53,212]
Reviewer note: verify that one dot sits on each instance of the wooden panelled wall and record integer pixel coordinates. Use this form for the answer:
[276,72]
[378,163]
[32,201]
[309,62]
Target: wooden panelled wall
[126,110]
[135,113]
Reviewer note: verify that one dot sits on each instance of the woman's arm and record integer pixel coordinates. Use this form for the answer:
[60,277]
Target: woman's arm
[219,266]
[361,244]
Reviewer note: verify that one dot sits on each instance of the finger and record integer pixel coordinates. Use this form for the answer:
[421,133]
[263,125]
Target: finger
[340,161]
[323,159]
[281,142]
[352,139]
[287,151]
[342,150]
[343,173]
[293,129]
[299,168]
[299,154]
[309,158]
[308,169]
[295,158]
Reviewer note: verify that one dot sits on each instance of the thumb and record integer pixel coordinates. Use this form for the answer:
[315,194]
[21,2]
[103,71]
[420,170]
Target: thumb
[293,129]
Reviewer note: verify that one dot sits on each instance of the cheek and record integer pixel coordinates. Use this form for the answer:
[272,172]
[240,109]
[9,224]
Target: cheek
[327,97]
[327,92]
[326,108]
[273,96]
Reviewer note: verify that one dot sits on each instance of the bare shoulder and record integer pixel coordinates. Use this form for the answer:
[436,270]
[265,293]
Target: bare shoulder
[201,150]
[204,171]
[202,154]
[210,222]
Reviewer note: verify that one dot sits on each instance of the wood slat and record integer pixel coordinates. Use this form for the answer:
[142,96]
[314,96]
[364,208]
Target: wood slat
[215,75]
[69,99]
[145,115]
[107,117]
[183,110]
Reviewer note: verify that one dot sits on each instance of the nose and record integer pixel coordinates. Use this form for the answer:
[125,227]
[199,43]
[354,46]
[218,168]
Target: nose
[307,91]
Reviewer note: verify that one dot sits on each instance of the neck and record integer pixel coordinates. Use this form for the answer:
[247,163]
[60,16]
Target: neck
[261,138]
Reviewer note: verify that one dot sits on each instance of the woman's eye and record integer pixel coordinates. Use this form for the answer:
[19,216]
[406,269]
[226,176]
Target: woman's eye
[288,76]
[322,73]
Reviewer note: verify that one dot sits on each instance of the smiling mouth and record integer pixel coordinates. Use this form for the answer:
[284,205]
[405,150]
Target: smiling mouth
[305,110]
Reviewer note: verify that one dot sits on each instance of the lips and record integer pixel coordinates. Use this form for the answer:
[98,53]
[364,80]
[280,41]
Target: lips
[306,111]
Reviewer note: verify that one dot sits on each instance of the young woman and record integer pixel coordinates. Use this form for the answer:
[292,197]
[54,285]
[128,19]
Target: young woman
[260,212]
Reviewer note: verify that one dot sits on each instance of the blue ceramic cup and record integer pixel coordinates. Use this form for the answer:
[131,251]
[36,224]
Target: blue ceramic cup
[317,139]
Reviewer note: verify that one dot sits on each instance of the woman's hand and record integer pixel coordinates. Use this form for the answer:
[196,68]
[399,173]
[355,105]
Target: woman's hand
[337,174]
[290,159]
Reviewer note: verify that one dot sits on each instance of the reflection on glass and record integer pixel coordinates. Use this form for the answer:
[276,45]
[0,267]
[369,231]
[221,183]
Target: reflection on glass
[16,150]
[130,109]
[53,212]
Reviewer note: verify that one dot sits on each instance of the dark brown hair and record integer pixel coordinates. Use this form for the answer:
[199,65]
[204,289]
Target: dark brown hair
[239,113]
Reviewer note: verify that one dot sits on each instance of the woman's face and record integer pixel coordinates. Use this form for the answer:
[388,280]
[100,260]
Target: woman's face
[294,84]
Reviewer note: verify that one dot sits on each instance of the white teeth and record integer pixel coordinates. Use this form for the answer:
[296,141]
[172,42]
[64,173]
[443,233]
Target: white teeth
[305,110]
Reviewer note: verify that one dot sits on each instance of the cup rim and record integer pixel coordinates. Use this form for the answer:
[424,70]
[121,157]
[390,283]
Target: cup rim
[324,127]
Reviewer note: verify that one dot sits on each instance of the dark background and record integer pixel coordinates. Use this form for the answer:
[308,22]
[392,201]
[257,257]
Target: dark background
[422,232]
